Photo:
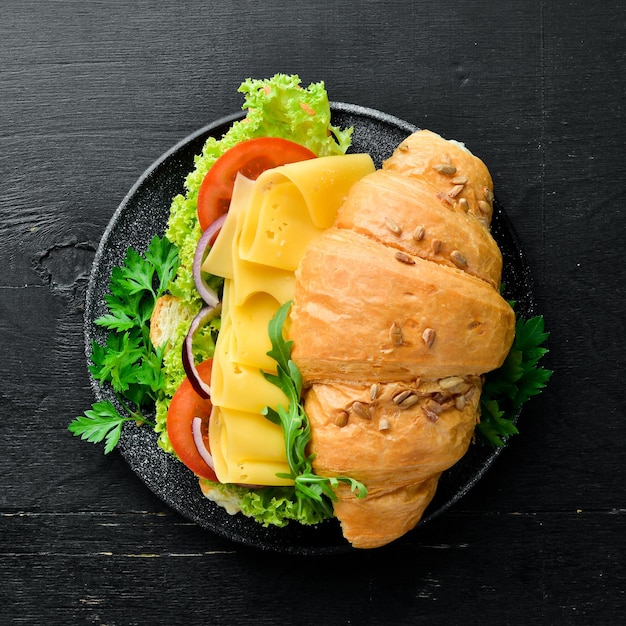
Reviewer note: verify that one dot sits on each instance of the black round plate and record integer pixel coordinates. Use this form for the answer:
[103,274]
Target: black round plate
[142,214]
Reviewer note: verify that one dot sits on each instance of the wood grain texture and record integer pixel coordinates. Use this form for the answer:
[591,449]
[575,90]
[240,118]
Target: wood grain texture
[137,569]
[91,93]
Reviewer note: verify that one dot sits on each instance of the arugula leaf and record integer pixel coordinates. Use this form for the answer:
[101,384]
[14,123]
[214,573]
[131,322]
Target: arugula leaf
[128,361]
[509,387]
[311,491]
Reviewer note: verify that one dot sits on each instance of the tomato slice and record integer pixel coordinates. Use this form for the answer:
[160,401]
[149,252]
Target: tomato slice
[184,406]
[250,158]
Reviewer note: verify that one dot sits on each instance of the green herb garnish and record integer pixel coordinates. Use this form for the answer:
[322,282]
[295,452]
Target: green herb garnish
[509,387]
[310,489]
[102,423]
[128,361]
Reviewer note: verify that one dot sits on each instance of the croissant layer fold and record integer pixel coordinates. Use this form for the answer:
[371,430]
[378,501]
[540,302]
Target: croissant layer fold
[360,313]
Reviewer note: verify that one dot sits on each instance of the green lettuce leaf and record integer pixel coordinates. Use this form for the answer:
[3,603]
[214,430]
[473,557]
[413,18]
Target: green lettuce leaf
[270,506]
[280,107]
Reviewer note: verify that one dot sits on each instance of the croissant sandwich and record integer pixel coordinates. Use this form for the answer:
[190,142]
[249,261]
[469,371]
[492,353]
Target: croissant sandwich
[335,320]
[396,316]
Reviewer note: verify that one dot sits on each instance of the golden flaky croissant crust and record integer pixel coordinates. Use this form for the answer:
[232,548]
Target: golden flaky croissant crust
[396,316]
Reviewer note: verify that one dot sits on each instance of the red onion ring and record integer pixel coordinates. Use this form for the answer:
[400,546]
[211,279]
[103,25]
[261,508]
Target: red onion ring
[205,315]
[196,429]
[206,240]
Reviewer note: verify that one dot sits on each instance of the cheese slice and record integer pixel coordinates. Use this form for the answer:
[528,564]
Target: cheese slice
[252,278]
[323,183]
[293,204]
[219,260]
[249,339]
[235,437]
[237,386]
[276,226]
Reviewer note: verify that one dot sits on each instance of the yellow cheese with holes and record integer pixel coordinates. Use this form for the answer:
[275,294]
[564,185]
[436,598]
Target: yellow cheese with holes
[323,183]
[294,203]
[276,227]
[237,386]
[237,456]
[270,223]
[249,339]
[252,278]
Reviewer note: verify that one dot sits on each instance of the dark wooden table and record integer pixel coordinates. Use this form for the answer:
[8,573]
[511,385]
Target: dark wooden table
[91,93]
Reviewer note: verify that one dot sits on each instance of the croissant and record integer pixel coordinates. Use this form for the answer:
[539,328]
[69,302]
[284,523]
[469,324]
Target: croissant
[396,316]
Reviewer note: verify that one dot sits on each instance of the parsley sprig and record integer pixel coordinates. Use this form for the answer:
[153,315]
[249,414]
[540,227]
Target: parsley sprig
[128,361]
[311,490]
[102,423]
[509,387]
